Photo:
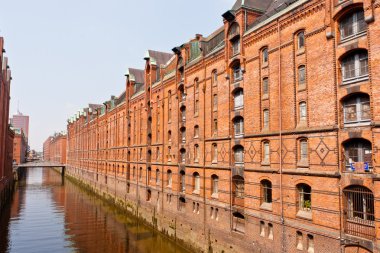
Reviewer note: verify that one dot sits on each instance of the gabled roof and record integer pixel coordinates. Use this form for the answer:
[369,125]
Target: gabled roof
[158,58]
[136,75]
[259,5]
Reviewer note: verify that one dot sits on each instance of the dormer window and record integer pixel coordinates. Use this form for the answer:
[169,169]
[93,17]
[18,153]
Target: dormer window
[234,38]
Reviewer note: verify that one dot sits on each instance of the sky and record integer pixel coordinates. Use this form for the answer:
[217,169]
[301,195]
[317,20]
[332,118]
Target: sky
[65,54]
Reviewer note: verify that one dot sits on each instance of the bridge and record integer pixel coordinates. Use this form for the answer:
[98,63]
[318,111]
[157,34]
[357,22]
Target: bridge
[43,164]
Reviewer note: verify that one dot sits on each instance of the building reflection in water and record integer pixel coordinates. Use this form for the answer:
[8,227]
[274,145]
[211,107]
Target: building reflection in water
[79,220]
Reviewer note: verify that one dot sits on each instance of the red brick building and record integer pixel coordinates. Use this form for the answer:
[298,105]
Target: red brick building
[6,135]
[262,137]
[54,148]
[20,146]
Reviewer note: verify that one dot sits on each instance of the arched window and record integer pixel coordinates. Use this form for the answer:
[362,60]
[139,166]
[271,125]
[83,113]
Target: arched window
[239,126]
[356,109]
[169,135]
[358,155]
[196,131]
[301,40]
[302,112]
[214,77]
[239,155]
[238,224]
[196,153]
[264,53]
[183,134]
[149,175]
[265,86]
[157,176]
[196,86]
[352,25]
[182,181]
[266,191]
[183,113]
[169,178]
[266,119]
[215,102]
[214,186]
[238,186]
[304,197]
[238,99]
[359,210]
[183,155]
[148,195]
[237,73]
[197,182]
[234,38]
[355,66]
[214,153]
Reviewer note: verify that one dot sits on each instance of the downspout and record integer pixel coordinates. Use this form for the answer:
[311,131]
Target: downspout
[280,135]
[204,148]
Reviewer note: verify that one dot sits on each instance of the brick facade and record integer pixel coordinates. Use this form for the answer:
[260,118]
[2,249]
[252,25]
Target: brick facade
[55,148]
[262,137]
[20,146]
[6,134]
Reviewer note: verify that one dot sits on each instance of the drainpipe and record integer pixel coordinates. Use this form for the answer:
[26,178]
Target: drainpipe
[280,135]
[204,148]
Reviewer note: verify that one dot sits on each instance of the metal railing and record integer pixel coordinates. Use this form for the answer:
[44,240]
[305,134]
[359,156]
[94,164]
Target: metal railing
[359,219]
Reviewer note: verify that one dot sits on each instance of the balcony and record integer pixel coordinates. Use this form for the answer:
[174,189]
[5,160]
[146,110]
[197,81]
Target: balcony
[359,167]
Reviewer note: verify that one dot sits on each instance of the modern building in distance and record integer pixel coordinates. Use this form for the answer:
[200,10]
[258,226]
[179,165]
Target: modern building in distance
[21,121]
[55,148]
[261,137]
[6,134]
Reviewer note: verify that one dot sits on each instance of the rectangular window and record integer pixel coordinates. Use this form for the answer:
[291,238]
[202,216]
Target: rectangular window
[303,150]
[266,152]
[301,75]
[265,87]
[266,119]
[215,102]
[196,107]
[303,111]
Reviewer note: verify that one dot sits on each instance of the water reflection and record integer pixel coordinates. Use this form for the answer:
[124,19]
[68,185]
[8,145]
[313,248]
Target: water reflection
[46,216]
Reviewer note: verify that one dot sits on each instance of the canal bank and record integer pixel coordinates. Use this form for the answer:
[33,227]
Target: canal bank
[166,226]
[49,213]
[190,233]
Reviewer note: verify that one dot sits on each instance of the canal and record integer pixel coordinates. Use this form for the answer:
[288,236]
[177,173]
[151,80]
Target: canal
[48,214]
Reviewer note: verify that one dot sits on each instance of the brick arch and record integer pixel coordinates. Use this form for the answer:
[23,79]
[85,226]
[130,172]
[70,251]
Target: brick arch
[344,10]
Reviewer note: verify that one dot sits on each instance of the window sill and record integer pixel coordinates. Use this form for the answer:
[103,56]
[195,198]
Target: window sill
[303,164]
[301,87]
[307,215]
[355,80]
[352,37]
[265,97]
[300,51]
[238,136]
[357,124]
[265,163]
[214,162]
[266,206]
[215,196]
[238,108]
[265,65]
[196,192]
